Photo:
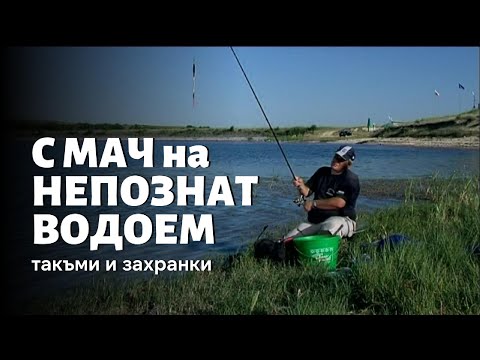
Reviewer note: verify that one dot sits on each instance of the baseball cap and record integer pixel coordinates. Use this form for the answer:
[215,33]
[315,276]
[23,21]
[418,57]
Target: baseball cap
[346,152]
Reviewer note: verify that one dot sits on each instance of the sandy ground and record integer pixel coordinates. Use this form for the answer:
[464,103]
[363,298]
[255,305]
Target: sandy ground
[470,142]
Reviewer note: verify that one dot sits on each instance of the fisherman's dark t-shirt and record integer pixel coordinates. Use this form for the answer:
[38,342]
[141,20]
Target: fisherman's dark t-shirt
[326,185]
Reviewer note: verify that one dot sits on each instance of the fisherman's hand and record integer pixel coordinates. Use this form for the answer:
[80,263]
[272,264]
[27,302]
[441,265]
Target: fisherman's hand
[308,205]
[298,181]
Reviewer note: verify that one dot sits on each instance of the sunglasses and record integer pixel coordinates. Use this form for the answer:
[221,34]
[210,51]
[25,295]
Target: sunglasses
[339,159]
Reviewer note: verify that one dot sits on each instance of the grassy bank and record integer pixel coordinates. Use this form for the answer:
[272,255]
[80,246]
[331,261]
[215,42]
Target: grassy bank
[451,126]
[435,272]
[460,125]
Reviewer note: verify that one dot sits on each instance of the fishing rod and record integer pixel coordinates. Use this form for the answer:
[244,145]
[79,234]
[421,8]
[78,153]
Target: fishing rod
[301,199]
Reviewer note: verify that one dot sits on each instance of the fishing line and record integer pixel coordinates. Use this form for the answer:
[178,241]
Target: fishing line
[263,112]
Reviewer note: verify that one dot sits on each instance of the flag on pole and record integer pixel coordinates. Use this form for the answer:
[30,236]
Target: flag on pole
[193,94]
[437,93]
[460,86]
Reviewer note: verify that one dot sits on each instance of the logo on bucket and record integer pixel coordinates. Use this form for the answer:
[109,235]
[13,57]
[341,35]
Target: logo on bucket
[323,254]
[318,249]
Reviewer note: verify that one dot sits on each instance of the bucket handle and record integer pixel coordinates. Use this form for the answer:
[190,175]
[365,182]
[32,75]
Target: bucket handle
[339,228]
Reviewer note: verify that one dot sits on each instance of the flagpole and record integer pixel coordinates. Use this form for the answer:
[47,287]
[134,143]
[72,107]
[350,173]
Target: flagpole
[459,101]
[473,93]
[436,94]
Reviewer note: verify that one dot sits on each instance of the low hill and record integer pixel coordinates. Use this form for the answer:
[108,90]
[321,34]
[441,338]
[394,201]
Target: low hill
[453,126]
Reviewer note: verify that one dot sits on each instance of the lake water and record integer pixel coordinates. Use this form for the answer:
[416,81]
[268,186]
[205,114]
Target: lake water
[234,226]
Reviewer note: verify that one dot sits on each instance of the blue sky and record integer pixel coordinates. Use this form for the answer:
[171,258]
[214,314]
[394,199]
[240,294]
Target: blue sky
[297,86]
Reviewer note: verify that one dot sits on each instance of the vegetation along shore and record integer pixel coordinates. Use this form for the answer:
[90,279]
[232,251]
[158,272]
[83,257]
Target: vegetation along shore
[435,272]
[459,130]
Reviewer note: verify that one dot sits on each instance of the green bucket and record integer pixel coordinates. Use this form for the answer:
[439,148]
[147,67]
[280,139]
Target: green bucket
[318,249]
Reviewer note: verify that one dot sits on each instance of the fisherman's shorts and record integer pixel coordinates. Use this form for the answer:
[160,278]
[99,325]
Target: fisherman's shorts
[339,225]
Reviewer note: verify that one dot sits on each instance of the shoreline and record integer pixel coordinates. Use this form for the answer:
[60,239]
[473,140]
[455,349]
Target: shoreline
[467,142]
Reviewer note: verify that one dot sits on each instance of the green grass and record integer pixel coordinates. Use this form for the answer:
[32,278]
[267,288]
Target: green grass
[434,273]
[452,126]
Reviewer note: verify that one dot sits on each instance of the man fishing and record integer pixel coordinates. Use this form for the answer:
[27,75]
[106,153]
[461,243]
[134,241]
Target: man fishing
[335,189]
